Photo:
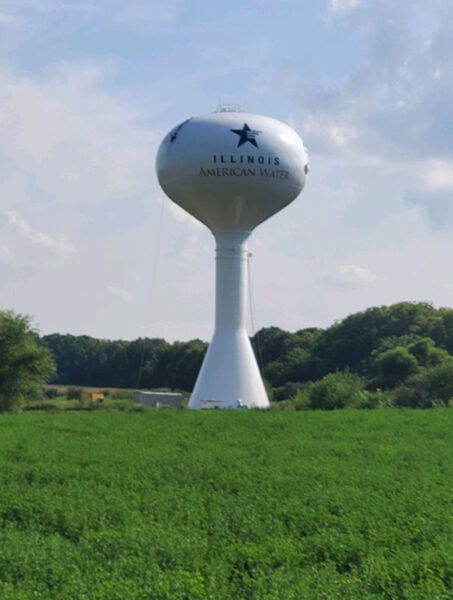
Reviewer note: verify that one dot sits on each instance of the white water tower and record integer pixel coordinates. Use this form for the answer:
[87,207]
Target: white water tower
[232,171]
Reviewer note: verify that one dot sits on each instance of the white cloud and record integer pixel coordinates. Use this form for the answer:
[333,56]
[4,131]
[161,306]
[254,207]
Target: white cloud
[75,141]
[397,105]
[336,6]
[67,143]
[120,293]
[342,136]
[437,174]
[346,278]
[59,245]
[355,274]
[19,224]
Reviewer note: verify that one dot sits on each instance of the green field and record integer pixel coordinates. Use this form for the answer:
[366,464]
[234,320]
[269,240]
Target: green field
[227,505]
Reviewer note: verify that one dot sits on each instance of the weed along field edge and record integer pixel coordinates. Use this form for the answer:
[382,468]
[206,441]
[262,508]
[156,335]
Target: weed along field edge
[272,505]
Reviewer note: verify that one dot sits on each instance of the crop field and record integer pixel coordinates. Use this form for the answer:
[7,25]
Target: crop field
[241,505]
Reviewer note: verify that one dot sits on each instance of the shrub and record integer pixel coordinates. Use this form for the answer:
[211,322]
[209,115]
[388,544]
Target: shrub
[394,366]
[74,393]
[44,405]
[337,390]
[429,388]
[286,392]
[121,395]
[440,381]
[414,393]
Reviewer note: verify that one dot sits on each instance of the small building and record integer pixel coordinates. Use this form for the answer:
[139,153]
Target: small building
[158,399]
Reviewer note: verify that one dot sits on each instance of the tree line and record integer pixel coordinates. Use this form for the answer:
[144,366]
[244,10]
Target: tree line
[147,363]
[390,354]
[398,355]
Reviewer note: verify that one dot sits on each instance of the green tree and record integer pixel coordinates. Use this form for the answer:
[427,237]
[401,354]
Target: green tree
[427,353]
[337,390]
[24,365]
[180,363]
[349,343]
[440,380]
[81,360]
[151,354]
[394,366]
[415,392]
[291,359]
[270,344]
[430,387]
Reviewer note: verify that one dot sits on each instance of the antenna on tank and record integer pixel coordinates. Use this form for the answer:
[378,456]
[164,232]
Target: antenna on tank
[222,108]
[231,170]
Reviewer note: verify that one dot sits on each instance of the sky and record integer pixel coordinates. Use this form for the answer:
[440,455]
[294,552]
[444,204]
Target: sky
[90,245]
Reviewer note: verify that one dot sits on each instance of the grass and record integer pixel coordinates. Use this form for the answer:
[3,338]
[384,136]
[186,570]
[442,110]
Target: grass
[231,504]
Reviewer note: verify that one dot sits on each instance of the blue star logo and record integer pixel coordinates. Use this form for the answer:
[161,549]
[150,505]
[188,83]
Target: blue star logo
[246,135]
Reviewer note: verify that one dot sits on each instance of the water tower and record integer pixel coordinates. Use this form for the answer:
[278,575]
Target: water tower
[232,171]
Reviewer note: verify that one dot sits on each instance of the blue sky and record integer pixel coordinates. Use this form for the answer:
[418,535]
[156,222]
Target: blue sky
[88,242]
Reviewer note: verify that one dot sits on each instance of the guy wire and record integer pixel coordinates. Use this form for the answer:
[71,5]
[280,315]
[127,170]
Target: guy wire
[255,334]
